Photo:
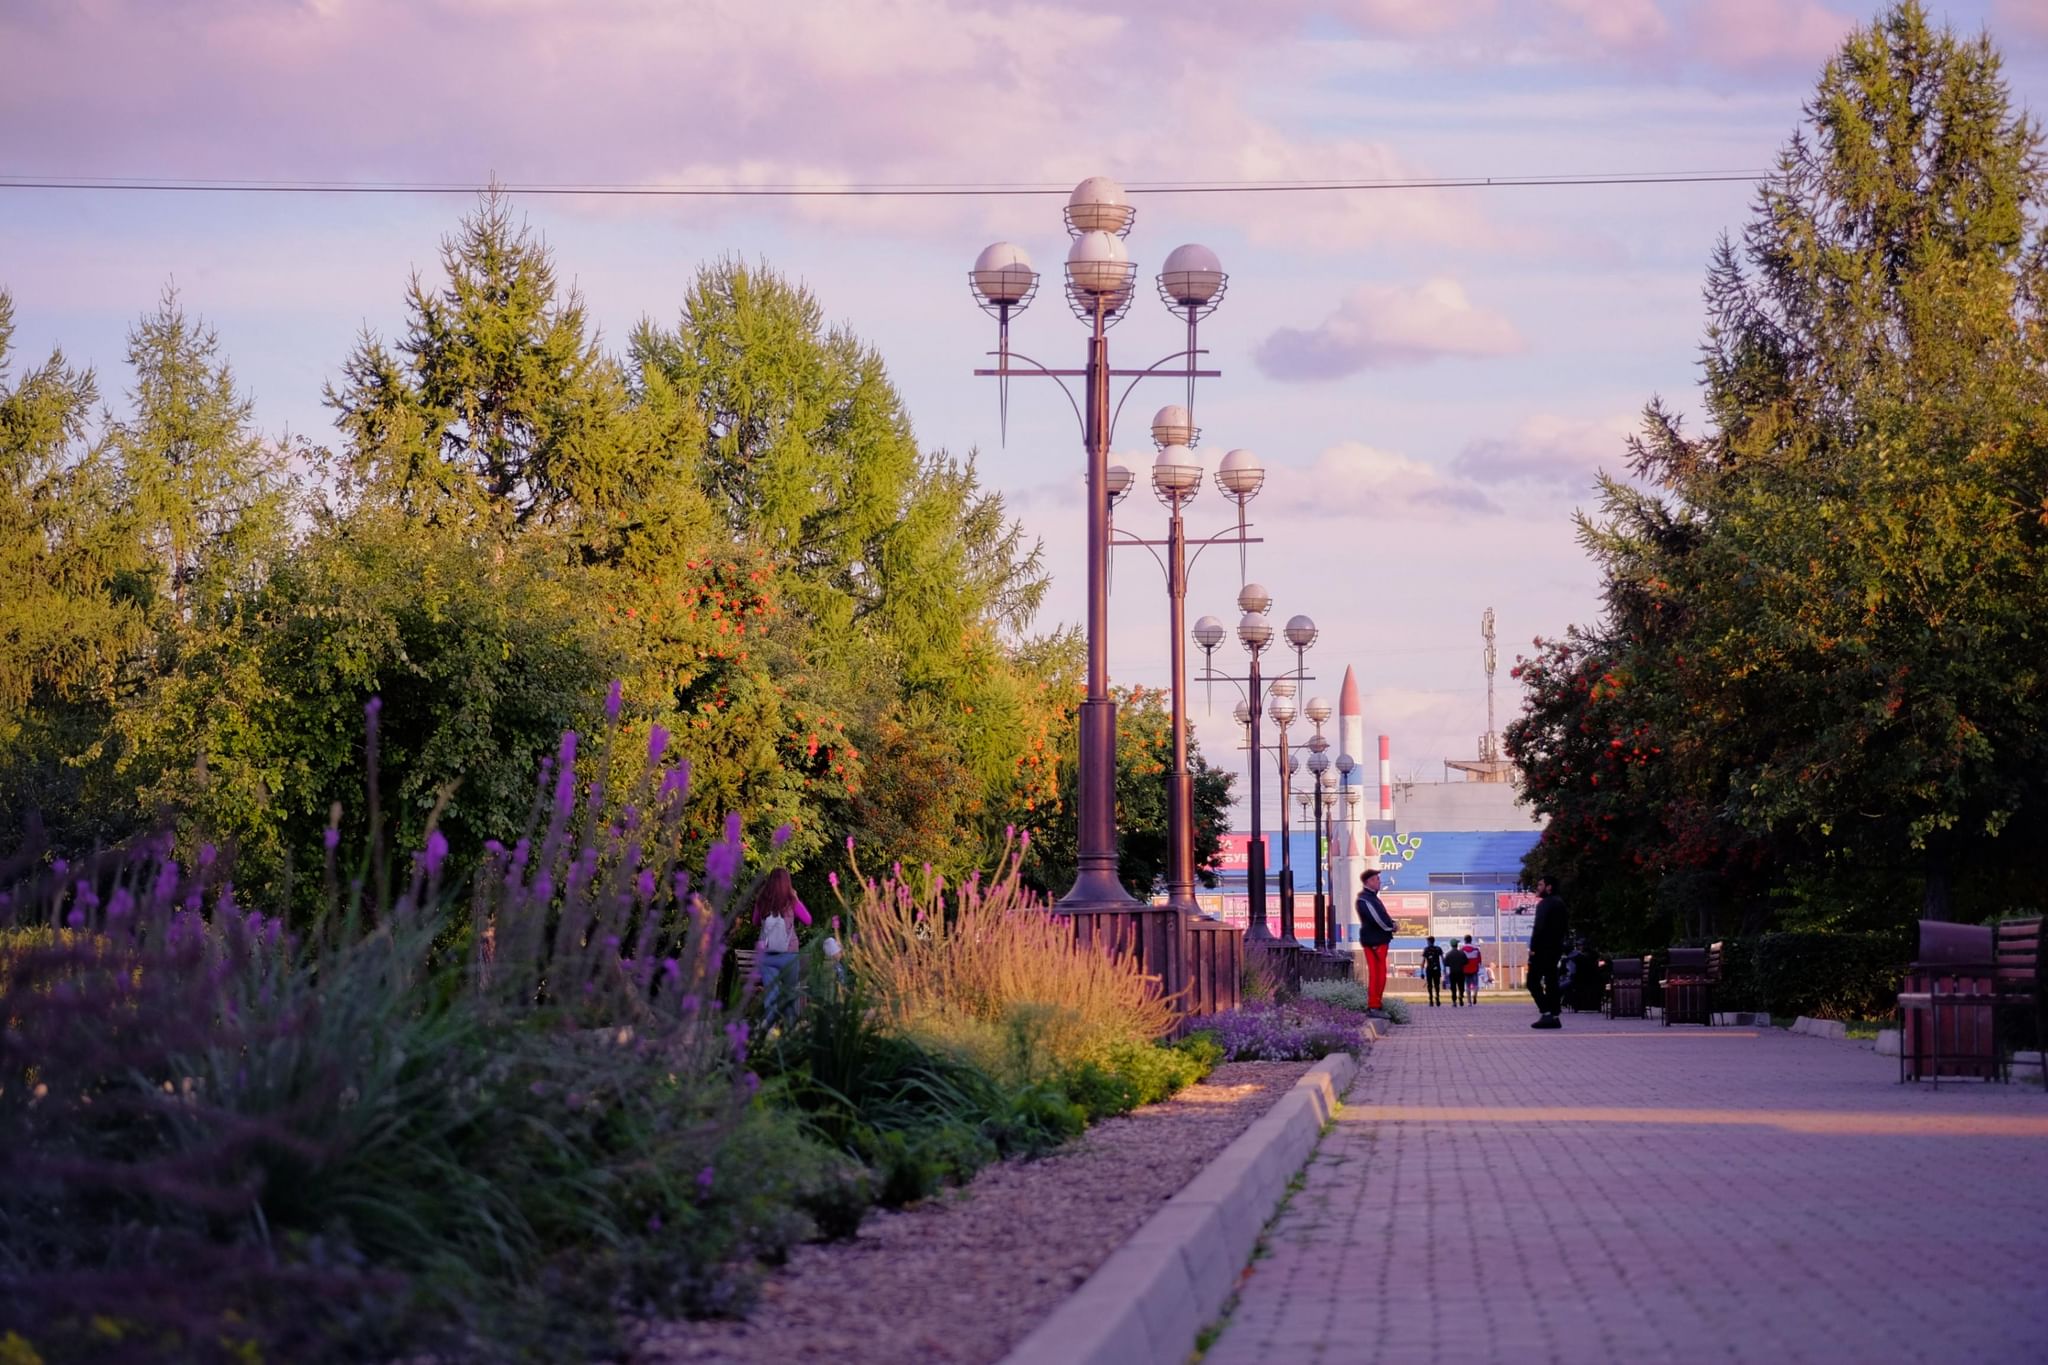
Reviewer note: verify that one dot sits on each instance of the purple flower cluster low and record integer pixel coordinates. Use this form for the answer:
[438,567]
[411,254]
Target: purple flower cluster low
[1293,1031]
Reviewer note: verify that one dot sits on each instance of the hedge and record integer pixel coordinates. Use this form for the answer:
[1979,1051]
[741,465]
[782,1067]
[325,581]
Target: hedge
[1819,974]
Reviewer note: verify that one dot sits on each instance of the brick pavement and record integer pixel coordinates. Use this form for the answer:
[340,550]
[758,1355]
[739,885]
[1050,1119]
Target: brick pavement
[1622,1191]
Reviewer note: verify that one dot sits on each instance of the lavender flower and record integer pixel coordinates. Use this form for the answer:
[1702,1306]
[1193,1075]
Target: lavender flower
[436,852]
[722,862]
[330,838]
[657,743]
[613,699]
[782,833]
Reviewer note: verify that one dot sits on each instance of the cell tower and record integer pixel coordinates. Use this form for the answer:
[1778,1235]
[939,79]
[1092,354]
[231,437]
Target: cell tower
[1489,766]
[1489,743]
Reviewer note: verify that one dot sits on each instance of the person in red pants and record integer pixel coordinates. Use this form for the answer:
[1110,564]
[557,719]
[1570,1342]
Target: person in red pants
[1375,932]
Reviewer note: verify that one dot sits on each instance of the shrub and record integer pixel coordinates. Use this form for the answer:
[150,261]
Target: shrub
[989,975]
[1131,1074]
[1828,975]
[1302,1030]
[1344,994]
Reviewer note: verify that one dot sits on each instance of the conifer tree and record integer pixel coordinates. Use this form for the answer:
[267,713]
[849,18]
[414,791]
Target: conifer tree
[1830,604]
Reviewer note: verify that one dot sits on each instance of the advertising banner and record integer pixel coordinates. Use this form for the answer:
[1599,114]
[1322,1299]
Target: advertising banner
[1236,856]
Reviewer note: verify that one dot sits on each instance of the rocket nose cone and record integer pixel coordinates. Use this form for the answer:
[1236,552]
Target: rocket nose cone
[1347,701]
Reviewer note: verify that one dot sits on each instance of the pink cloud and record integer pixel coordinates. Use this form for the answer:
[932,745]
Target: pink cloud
[1761,33]
[1379,326]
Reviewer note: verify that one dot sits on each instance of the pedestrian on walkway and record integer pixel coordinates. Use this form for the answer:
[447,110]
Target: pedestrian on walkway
[1547,937]
[1433,970]
[776,911]
[1472,964]
[1375,932]
[1454,973]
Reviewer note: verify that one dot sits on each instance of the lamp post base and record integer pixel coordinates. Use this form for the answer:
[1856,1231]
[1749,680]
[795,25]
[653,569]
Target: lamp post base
[1095,890]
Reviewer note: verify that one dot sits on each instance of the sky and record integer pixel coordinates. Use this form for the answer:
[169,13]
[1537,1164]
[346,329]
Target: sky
[1433,377]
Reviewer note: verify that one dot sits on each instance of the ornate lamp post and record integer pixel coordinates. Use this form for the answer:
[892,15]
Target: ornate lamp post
[1276,697]
[1100,282]
[1176,480]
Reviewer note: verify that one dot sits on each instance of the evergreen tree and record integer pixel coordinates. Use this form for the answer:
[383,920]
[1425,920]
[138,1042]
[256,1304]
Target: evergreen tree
[71,600]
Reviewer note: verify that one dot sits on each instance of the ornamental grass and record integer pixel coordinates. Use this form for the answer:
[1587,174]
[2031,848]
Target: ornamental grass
[984,970]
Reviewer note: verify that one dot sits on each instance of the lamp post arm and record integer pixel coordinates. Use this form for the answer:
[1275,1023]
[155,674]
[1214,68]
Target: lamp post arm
[1038,371]
[1152,370]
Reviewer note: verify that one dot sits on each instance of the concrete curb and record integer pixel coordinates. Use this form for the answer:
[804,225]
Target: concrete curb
[1821,1028]
[1153,1295]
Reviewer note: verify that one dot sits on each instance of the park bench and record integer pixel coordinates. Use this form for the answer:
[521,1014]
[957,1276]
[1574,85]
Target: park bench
[1625,997]
[2016,965]
[1689,980]
[1948,1017]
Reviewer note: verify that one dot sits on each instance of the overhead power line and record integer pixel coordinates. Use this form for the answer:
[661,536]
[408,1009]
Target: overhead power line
[181,185]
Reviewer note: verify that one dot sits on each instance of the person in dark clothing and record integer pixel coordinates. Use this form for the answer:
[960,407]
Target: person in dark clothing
[1546,945]
[1375,932]
[1454,972]
[1433,970]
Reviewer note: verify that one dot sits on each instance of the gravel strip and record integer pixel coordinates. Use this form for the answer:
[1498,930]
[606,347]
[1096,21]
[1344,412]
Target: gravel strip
[963,1278]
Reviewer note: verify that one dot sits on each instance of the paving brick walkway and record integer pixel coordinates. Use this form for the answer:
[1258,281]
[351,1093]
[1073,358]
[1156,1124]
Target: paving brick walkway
[1619,1191]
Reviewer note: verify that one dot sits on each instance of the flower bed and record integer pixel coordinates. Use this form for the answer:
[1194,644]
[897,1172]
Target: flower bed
[1283,1031]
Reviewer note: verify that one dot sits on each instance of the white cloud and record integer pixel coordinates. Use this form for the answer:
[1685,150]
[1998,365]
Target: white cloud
[1379,326]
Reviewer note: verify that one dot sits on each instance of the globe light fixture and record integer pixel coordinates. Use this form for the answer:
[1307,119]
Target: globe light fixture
[1002,277]
[1118,480]
[1319,709]
[1254,631]
[1253,597]
[1176,478]
[1208,632]
[1192,278]
[1173,426]
[1241,475]
[1301,632]
[1099,204]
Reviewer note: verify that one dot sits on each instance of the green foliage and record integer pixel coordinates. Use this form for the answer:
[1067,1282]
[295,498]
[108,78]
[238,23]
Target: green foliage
[1820,658]
[1144,756]
[1824,975]
[1131,1074]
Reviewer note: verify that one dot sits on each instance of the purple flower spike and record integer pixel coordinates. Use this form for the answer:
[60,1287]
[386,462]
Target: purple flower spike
[833,879]
[646,885]
[613,699]
[657,743]
[331,839]
[437,852]
[849,843]
[207,853]
[704,1179]
[373,708]
[782,833]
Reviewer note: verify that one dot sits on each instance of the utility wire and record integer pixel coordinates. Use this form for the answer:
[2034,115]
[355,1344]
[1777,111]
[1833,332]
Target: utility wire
[180,185]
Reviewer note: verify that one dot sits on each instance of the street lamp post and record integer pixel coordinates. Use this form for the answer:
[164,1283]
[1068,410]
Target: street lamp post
[1100,282]
[1276,698]
[1176,480]
[1280,710]
[1318,711]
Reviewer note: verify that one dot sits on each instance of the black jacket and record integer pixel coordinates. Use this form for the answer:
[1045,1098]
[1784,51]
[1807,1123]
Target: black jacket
[1433,960]
[1375,925]
[1553,925]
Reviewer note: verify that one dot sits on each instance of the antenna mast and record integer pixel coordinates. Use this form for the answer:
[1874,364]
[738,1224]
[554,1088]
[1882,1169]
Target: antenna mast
[1489,743]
